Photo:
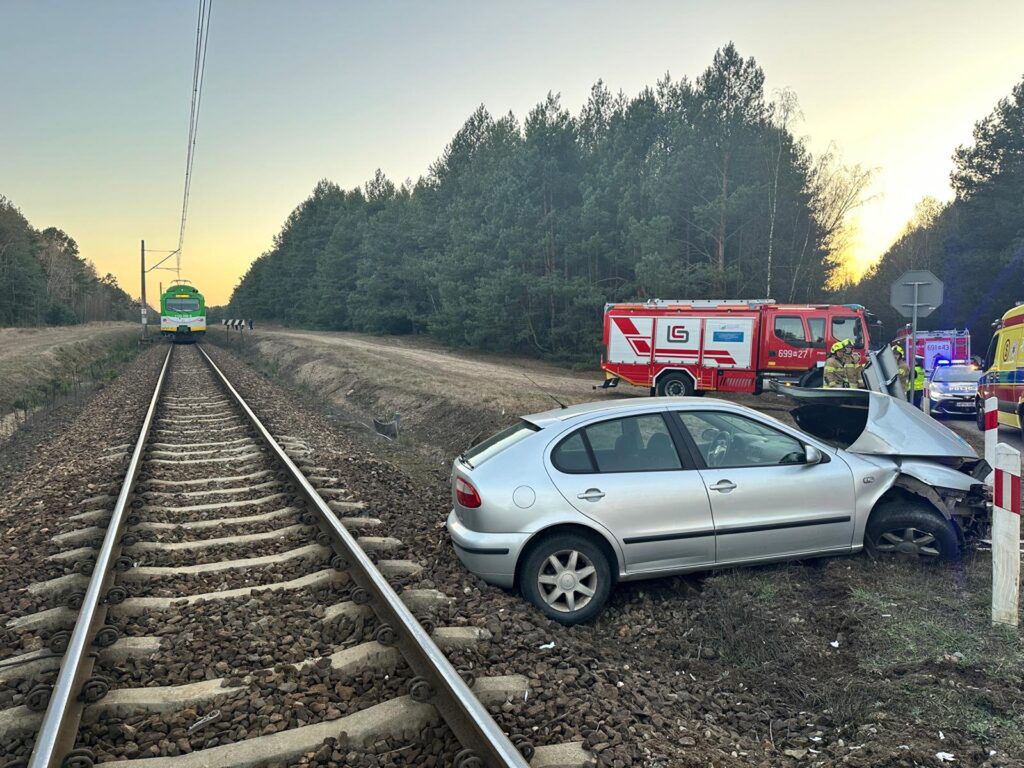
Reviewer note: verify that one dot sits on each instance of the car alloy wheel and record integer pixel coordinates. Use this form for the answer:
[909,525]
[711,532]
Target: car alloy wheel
[567,576]
[909,541]
[911,529]
[567,581]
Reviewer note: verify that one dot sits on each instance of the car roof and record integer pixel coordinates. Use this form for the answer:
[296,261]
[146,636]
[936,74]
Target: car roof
[625,406]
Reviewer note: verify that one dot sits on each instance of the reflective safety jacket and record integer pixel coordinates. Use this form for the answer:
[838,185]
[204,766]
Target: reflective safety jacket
[854,374]
[904,373]
[834,373]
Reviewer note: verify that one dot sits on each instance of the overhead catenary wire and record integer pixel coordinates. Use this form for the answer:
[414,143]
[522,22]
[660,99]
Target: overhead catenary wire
[198,76]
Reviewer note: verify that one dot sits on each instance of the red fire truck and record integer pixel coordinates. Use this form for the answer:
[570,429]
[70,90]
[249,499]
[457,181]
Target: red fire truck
[688,347]
[951,346]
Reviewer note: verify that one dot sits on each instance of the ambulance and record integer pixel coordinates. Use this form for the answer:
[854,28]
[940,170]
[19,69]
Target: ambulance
[1004,371]
[687,347]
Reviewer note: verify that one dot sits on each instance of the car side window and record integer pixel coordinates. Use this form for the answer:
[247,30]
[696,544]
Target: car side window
[572,455]
[990,355]
[632,444]
[730,440]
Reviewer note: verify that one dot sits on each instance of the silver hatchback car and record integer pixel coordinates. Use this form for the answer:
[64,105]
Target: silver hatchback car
[565,503]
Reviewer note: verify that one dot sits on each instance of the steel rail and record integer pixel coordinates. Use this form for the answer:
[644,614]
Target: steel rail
[65,689]
[469,720]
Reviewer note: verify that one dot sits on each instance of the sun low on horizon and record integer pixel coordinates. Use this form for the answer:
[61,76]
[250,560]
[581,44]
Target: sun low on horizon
[96,123]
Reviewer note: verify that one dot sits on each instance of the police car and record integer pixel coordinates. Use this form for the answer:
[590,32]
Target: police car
[952,388]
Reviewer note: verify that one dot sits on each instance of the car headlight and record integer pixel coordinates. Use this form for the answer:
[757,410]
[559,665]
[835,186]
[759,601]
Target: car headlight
[935,391]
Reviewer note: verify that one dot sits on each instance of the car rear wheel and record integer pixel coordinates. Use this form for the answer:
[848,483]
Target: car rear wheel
[675,385]
[567,576]
[912,530]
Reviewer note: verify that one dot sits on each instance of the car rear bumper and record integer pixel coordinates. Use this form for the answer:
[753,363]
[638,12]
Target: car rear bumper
[491,556]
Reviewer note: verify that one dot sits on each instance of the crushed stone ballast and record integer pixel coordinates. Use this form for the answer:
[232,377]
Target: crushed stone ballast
[209,498]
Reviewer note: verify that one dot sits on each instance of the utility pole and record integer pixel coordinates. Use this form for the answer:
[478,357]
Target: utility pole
[145,308]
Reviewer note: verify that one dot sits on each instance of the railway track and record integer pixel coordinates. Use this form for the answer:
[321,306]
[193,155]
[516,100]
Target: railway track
[233,606]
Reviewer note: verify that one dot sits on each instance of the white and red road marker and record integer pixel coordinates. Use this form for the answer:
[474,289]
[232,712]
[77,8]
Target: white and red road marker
[1005,534]
[991,433]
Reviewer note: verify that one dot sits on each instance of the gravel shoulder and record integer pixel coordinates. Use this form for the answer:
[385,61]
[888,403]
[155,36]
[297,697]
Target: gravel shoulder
[833,662]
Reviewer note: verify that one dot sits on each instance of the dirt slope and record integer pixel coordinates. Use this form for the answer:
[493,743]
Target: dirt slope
[37,364]
[445,398]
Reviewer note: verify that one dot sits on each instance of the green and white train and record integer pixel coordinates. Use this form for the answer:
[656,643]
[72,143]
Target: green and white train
[182,313]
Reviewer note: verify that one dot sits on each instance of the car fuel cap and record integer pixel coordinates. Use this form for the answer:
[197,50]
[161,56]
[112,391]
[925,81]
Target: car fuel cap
[524,496]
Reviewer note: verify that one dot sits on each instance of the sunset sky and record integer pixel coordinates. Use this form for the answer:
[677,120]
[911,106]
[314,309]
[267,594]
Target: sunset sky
[94,113]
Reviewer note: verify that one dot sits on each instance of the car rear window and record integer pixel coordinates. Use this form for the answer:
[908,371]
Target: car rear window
[499,442]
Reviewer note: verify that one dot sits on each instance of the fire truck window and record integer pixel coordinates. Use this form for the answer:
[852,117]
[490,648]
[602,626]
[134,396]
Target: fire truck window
[848,328]
[790,330]
[817,328]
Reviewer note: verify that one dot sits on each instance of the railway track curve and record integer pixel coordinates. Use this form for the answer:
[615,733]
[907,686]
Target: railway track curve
[285,587]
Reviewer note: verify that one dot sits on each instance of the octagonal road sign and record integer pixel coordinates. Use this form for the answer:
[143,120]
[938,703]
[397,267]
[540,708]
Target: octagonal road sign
[916,286]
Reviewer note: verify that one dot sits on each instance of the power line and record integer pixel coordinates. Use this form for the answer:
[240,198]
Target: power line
[198,75]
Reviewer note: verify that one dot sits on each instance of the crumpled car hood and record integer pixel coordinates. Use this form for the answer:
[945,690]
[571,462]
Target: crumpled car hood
[875,424]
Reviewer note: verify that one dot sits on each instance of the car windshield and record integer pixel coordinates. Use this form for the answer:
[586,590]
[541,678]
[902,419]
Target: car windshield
[959,374]
[499,442]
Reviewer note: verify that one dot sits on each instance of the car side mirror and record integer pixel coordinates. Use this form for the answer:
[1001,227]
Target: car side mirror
[812,455]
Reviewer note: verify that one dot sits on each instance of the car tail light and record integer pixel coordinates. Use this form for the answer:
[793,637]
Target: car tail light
[466,494]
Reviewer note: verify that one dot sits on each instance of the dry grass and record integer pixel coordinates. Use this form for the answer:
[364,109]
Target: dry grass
[39,364]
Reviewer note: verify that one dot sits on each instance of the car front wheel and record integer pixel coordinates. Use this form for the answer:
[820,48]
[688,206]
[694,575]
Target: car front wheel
[912,530]
[567,576]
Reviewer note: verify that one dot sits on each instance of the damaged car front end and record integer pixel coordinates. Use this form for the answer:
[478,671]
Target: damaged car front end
[919,458]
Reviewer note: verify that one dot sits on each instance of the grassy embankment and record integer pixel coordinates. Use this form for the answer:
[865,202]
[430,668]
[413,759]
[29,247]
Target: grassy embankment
[40,366]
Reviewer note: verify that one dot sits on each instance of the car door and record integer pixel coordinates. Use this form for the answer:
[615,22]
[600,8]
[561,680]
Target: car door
[766,501]
[627,474]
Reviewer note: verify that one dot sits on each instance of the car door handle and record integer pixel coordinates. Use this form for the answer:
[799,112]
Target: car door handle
[723,486]
[591,494]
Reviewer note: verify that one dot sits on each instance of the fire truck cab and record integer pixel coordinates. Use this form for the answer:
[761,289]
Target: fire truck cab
[933,346]
[687,347]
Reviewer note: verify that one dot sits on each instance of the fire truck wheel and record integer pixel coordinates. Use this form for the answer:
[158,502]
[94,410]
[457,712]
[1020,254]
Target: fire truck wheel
[813,379]
[675,385]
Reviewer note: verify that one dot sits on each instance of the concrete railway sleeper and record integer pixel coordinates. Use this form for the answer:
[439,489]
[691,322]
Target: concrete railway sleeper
[239,527]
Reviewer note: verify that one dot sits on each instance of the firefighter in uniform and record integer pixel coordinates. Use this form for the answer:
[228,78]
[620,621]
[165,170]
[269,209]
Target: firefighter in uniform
[852,366]
[834,373]
[901,368]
